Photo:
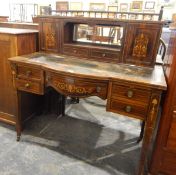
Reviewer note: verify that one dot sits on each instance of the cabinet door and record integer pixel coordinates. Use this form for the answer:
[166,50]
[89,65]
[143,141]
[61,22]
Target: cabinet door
[141,44]
[49,35]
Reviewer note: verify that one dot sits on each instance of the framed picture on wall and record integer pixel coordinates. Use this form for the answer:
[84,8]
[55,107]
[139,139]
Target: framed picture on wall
[75,6]
[45,10]
[149,5]
[123,7]
[97,7]
[136,6]
[62,5]
[112,8]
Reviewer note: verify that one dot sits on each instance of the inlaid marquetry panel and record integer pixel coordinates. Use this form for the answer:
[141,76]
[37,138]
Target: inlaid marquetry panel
[141,44]
[49,33]
[77,87]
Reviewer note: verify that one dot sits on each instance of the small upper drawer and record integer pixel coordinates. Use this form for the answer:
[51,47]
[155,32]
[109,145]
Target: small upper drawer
[29,73]
[105,54]
[133,93]
[29,86]
[76,51]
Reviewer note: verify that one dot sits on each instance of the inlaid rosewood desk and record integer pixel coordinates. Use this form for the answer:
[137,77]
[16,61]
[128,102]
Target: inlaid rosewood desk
[130,90]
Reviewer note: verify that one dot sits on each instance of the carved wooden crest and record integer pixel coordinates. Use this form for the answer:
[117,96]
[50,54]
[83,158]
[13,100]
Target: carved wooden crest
[140,46]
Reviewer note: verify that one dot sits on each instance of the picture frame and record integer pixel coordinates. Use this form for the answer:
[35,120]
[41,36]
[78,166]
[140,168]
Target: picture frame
[97,6]
[123,7]
[149,5]
[62,5]
[45,10]
[113,8]
[75,6]
[136,6]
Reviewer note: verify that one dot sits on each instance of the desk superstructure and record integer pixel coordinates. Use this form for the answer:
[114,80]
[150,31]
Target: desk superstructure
[114,60]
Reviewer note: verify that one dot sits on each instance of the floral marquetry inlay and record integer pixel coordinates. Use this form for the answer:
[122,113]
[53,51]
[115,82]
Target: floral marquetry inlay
[154,105]
[50,37]
[71,88]
[140,46]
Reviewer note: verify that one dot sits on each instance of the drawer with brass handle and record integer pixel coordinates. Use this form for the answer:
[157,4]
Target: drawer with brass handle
[75,51]
[131,109]
[105,54]
[78,87]
[29,86]
[29,73]
[130,93]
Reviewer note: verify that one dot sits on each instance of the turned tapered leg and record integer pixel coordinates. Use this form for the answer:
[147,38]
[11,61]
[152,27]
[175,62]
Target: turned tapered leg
[149,131]
[18,116]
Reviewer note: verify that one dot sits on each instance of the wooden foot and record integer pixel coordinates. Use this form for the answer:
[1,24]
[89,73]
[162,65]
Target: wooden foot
[18,138]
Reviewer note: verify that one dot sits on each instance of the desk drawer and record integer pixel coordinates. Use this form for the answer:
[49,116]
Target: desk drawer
[132,93]
[127,108]
[29,86]
[29,73]
[105,55]
[78,87]
[76,51]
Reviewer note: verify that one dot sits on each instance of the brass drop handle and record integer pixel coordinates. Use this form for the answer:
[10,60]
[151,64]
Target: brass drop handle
[48,78]
[130,94]
[27,85]
[98,89]
[75,51]
[28,73]
[128,108]
[103,55]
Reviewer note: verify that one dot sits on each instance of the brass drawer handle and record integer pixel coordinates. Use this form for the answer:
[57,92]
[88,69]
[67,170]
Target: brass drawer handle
[130,94]
[27,85]
[128,108]
[98,89]
[103,55]
[28,73]
[48,78]
[75,51]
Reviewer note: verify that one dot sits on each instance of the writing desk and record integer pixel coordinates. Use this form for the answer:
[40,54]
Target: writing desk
[130,90]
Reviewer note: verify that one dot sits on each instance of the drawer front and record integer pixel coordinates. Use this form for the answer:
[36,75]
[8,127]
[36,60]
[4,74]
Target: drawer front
[132,93]
[126,108]
[29,73]
[76,51]
[29,86]
[78,87]
[106,55]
